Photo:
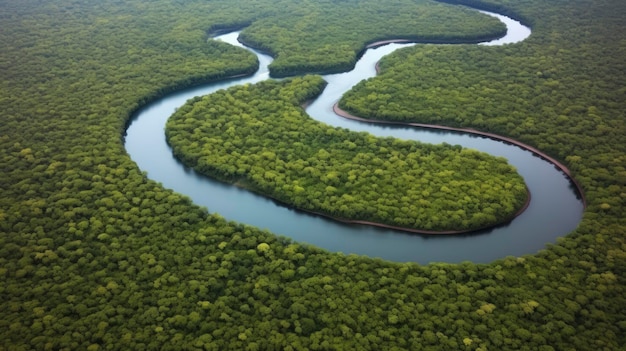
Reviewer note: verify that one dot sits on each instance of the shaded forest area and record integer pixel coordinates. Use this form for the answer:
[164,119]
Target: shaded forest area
[93,255]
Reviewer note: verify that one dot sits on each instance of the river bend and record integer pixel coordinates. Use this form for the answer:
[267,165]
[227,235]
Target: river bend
[554,211]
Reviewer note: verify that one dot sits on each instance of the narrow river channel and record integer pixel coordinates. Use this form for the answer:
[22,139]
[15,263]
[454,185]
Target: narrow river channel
[555,209]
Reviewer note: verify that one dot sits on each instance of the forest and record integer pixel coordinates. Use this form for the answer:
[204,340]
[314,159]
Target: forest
[260,138]
[94,255]
[350,28]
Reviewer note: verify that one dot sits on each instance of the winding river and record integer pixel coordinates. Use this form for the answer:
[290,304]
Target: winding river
[555,209]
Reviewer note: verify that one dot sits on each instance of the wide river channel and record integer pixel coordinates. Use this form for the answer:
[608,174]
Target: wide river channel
[555,210]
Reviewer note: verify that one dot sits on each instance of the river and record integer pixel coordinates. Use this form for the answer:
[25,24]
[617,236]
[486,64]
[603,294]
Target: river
[555,209]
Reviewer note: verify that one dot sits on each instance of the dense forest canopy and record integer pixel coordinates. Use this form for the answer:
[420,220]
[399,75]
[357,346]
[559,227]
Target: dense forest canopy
[93,255]
[331,34]
[525,91]
[260,138]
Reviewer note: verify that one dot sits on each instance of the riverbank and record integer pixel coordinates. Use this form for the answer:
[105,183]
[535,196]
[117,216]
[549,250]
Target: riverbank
[432,232]
[493,136]
[245,185]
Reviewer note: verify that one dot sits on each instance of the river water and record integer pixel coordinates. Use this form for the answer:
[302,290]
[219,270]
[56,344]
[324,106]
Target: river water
[555,209]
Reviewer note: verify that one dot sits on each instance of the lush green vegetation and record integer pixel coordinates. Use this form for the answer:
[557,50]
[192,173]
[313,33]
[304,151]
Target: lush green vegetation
[93,255]
[331,34]
[259,137]
[559,99]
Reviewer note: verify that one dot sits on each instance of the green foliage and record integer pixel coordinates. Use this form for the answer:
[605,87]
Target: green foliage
[547,92]
[331,34]
[258,137]
[94,255]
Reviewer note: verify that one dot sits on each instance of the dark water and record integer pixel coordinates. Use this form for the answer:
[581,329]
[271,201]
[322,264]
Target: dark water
[555,209]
